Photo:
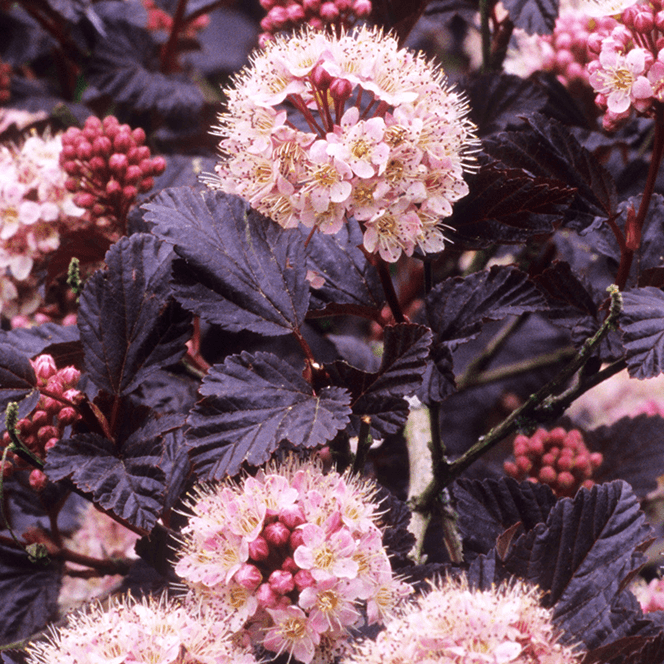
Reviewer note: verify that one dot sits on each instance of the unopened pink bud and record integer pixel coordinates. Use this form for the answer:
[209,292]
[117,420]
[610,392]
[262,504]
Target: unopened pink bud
[289,565]
[83,150]
[109,122]
[362,8]
[524,464]
[98,210]
[46,433]
[138,135]
[343,5]
[44,366]
[70,376]
[68,152]
[158,165]
[510,469]
[644,23]
[629,14]
[38,480]
[520,444]
[118,163]
[295,13]
[248,576]
[67,416]
[549,458]
[296,539]
[311,6]
[329,11]
[102,146]
[51,406]
[566,481]
[133,174]
[71,395]
[281,582]
[123,142]
[321,78]
[93,123]
[113,188]
[267,598]
[565,463]
[85,200]
[276,534]
[303,579]
[50,444]
[129,193]
[259,549]
[315,23]
[40,418]
[292,517]
[596,459]
[267,25]
[97,164]
[279,17]
[536,446]
[268,4]
[340,89]
[146,184]
[547,475]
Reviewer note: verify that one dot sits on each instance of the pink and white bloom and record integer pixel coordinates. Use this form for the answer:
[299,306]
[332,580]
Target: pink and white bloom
[620,78]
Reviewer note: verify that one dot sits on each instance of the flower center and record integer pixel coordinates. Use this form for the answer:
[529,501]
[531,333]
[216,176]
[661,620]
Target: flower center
[328,601]
[326,175]
[623,79]
[324,558]
[361,149]
[293,629]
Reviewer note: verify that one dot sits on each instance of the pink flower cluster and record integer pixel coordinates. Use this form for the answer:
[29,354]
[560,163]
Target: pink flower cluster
[317,14]
[35,209]
[98,536]
[627,71]
[289,558]
[453,624]
[384,139]
[43,428]
[108,165]
[564,52]
[130,631]
[558,458]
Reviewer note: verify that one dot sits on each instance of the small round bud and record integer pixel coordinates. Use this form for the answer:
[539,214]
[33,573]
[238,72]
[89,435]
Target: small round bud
[118,163]
[248,576]
[67,416]
[84,200]
[279,17]
[524,464]
[129,193]
[70,376]
[71,185]
[536,446]
[289,565]
[321,78]
[102,146]
[113,188]
[93,124]
[97,164]
[566,482]
[295,13]
[281,582]
[549,459]
[628,15]
[50,444]
[565,463]
[292,517]
[644,23]
[362,8]
[343,5]
[123,142]
[44,367]
[145,184]
[133,174]
[596,460]
[138,135]
[510,469]
[520,445]
[158,165]
[40,418]
[267,598]
[46,433]
[329,12]
[38,480]
[340,89]
[259,549]
[68,152]
[83,150]
[296,539]
[547,475]
[276,534]
[311,6]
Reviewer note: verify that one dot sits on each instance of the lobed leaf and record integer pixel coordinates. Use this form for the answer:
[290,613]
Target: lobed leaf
[130,327]
[253,402]
[642,326]
[17,377]
[533,16]
[380,394]
[29,594]
[242,272]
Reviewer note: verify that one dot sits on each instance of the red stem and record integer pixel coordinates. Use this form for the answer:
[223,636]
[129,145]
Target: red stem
[169,54]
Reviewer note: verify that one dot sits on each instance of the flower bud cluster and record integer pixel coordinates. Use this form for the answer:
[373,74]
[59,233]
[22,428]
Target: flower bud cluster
[108,166]
[453,623]
[130,631]
[159,20]
[5,73]
[627,70]
[35,209]
[388,141]
[564,52]
[289,557]
[558,458]
[45,425]
[317,14]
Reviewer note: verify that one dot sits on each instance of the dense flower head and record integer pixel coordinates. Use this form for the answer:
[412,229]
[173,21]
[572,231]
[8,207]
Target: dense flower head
[108,165]
[319,128]
[129,631]
[453,624]
[318,14]
[35,209]
[98,536]
[564,52]
[558,458]
[44,426]
[289,557]
[627,70]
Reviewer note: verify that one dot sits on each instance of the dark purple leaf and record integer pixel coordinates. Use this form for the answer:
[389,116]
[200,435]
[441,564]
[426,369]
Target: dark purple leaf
[642,325]
[349,277]
[130,327]
[633,450]
[124,66]
[380,394]
[548,150]
[243,272]
[127,481]
[47,338]
[498,100]
[486,509]
[533,16]
[253,402]
[582,557]
[17,377]
[508,206]
[458,307]
[29,594]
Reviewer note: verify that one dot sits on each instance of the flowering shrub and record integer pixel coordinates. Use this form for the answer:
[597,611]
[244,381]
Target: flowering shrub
[139,631]
[627,72]
[391,152]
[108,166]
[452,623]
[291,556]
[289,14]
[44,426]
[35,208]
[558,458]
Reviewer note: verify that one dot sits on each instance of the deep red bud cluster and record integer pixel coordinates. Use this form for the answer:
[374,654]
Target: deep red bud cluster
[108,165]
[5,73]
[558,458]
[45,425]
[319,14]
